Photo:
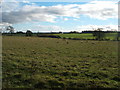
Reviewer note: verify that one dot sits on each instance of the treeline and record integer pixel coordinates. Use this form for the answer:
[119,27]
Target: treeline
[98,34]
[71,32]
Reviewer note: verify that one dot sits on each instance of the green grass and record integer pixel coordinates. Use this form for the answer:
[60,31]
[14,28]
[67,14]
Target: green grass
[33,62]
[111,36]
[82,36]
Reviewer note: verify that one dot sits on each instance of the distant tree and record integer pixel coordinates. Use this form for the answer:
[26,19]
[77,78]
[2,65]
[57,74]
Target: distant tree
[118,35]
[10,29]
[74,32]
[38,33]
[29,33]
[19,32]
[60,32]
[99,34]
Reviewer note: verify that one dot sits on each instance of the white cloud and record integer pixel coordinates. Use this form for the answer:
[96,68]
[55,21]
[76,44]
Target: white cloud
[65,19]
[48,28]
[26,1]
[94,27]
[61,0]
[9,6]
[3,26]
[95,9]
[52,28]
[101,9]
[75,19]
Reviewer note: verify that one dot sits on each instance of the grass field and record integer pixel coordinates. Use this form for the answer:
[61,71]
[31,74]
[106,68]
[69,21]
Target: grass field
[82,36]
[111,36]
[33,62]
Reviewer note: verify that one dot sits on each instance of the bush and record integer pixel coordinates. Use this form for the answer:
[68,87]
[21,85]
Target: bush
[29,33]
[98,34]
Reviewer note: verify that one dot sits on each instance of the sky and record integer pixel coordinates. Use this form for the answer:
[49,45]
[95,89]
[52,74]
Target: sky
[55,16]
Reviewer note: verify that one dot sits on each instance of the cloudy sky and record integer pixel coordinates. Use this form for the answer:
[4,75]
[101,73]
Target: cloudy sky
[60,16]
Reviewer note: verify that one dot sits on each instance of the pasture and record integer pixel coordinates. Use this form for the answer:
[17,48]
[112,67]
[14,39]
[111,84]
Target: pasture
[81,36]
[110,36]
[33,62]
